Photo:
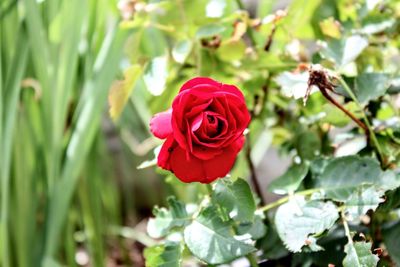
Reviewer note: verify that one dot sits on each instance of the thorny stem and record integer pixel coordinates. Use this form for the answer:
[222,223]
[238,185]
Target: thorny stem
[371,133]
[286,199]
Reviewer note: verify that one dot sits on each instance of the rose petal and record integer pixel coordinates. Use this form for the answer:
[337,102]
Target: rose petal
[199,80]
[234,90]
[160,124]
[220,165]
[186,170]
[206,153]
[163,159]
[204,171]
[208,81]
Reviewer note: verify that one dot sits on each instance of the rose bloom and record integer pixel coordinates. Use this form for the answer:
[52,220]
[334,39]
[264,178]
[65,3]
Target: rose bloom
[203,130]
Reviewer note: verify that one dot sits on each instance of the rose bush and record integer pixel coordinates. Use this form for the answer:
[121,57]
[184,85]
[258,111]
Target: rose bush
[203,130]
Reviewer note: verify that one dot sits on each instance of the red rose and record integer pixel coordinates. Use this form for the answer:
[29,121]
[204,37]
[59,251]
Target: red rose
[203,131]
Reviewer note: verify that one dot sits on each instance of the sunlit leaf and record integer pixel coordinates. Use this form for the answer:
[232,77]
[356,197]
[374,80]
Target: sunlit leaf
[346,50]
[182,50]
[374,27]
[298,219]
[294,84]
[121,90]
[168,255]
[330,27]
[359,254]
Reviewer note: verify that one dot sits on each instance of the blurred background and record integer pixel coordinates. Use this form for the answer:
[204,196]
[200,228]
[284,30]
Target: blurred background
[79,82]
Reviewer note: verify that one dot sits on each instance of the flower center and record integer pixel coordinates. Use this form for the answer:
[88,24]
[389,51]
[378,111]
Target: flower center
[211,119]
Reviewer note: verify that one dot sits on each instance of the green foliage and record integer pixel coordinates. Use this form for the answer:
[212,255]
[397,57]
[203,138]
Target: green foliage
[390,235]
[344,51]
[370,86]
[343,175]
[165,220]
[235,199]
[69,183]
[290,181]
[168,255]
[297,220]
[212,240]
[359,254]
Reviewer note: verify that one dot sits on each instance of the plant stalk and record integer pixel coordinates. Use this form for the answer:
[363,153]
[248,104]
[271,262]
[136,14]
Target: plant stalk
[370,132]
[287,198]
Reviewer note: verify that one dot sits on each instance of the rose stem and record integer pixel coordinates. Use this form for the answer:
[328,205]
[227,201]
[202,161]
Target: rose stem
[348,113]
[252,168]
[286,199]
[252,260]
[253,174]
[346,228]
[371,133]
[209,189]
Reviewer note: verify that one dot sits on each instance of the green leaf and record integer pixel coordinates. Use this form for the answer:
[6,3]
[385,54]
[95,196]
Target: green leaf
[336,117]
[390,180]
[373,27]
[308,144]
[289,181]
[298,219]
[209,31]
[271,245]
[343,175]
[359,255]
[168,255]
[370,86]
[294,84]
[235,198]
[256,229]
[330,27]
[211,240]
[392,242]
[232,51]
[182,50]
[165,219]
[350,146]
[363,199]
[344,51]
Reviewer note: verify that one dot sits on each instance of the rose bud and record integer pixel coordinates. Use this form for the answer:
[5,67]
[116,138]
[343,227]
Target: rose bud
[203,130]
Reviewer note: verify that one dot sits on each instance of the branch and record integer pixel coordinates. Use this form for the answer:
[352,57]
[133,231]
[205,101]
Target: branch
[253,174]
